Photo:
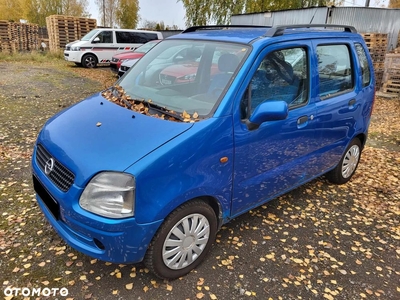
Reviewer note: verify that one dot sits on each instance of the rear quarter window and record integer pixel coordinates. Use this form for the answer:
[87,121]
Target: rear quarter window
[365,69]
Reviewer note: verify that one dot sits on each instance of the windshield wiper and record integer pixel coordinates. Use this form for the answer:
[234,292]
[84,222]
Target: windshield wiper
[119,92]
[160,109]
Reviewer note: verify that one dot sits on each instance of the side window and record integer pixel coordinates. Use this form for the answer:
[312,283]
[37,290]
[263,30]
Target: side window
[282,75]
[124,37]
[334,69]
[365,71]
[105,37]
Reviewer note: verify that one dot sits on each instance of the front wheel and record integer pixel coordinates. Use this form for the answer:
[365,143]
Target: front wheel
[347,165]
[182,241]
[89,61]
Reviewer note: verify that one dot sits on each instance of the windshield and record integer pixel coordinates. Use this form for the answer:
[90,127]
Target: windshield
[184,76]
[89,35]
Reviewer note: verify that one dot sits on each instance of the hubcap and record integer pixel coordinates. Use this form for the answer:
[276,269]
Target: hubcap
[350,161]
[90,62]
[186,241]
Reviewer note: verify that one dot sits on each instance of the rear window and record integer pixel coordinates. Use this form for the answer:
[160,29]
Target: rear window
[128,37]
[334,70]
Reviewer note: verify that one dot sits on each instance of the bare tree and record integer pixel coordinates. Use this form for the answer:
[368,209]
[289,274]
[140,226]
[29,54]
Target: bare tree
[122,13]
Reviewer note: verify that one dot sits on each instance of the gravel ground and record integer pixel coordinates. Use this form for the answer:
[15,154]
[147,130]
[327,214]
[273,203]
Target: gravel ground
[320,241]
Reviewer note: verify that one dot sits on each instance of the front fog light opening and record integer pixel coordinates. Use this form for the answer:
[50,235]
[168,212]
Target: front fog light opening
[99,244]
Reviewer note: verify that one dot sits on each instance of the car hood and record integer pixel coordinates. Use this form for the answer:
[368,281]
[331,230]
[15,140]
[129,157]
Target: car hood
[181,69]
[129,63]
[75,43]
[96,135]
[128,55]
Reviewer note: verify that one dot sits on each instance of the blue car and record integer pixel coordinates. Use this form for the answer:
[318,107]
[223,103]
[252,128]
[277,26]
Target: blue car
[150,169]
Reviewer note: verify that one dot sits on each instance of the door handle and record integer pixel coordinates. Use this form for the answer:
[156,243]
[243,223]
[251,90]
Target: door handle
[352,102]
[302,120]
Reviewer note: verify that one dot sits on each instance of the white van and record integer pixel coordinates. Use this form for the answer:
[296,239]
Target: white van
[99,45]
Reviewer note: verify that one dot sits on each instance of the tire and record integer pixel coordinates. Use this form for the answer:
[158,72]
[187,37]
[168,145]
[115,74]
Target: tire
[182,241]
[347,165]
[89,61]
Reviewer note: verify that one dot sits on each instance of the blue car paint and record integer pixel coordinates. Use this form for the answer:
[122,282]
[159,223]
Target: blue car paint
[174,162]
[87,137]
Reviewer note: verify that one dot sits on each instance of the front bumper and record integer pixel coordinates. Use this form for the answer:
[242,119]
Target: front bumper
[113,240]
[73,56]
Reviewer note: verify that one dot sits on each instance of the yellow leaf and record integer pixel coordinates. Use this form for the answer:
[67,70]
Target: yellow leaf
[145,289]
[213,297]
[199,295]
[129,286]
[115,292]
[169,287]
[118,275]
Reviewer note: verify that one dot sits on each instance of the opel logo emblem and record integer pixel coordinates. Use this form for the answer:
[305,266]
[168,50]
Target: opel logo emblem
[49,166]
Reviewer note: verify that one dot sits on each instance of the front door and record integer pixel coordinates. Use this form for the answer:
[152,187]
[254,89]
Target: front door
[277,155]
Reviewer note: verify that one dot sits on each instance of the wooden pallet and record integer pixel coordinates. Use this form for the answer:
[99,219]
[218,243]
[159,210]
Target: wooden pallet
[18,36]
[65,29]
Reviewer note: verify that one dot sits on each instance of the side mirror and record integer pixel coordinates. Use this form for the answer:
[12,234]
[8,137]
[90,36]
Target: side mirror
[268,111]
[96,40]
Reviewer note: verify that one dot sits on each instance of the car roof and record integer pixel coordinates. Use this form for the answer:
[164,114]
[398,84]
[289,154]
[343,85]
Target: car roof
[247,34]
[238,35]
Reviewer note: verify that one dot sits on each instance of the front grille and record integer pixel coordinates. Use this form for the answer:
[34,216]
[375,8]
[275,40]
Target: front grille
[60,175]
[167,79]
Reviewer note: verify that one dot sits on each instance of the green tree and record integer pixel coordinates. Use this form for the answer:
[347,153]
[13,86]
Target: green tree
[394,4]
[11,10]
[36,11]
[127,13]
[203,12]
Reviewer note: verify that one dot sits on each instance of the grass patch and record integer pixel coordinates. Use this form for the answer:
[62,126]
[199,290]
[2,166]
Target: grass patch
[33,56]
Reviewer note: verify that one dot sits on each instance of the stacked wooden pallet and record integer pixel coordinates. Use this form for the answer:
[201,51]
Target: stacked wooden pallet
[18,37]
[66,29]
[392,73]
[377,45]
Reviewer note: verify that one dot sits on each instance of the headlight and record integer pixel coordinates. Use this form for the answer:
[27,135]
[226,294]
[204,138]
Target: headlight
[75,48]
[189,77]
[110,194]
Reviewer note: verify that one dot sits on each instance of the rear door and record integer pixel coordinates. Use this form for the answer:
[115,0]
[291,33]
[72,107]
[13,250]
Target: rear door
[278,155]
[338,100]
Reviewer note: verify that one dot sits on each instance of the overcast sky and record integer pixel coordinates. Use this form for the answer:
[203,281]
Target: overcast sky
[170,12]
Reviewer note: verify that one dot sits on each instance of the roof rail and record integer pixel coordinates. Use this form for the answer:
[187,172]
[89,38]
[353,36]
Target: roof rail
[279,30]
[211,27]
